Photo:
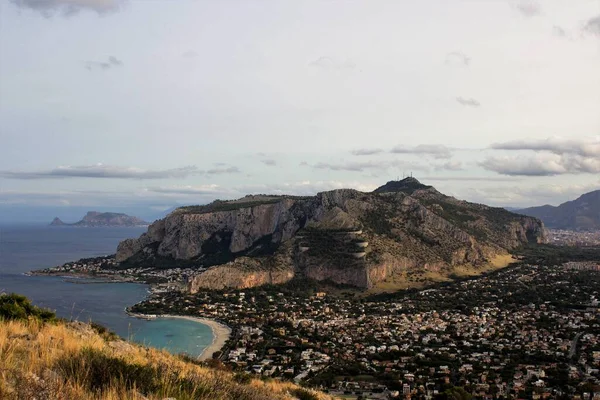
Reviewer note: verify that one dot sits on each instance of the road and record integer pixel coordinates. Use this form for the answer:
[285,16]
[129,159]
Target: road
[574,345]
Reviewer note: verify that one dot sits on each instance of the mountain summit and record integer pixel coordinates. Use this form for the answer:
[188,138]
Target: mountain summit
[580,214]
[402,232]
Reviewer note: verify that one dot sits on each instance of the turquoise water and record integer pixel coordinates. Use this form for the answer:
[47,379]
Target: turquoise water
[23,249]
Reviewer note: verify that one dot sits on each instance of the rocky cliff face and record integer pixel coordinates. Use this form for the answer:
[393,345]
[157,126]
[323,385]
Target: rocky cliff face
[344,236]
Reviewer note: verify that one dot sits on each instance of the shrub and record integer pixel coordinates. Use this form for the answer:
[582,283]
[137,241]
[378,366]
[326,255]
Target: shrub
[304,394]
[17,307]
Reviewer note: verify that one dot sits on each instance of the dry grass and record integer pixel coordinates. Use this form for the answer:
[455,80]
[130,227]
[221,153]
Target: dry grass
[72,361]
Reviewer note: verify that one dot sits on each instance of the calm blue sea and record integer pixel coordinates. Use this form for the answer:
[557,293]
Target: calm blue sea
[26,248]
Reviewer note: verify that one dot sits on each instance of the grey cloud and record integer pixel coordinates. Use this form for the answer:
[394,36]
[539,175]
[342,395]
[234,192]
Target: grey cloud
[527,196]
[102,171]
[529,8]
[111,62]
[190,190]
[69,7]
[269,162]
[366,152]
[304,188]
[580,147]
[593,26]
[457,57]
[221,171]
[449,166]
[468,102]
[438,151]
[329,63]
[369,165]
[190,54]
[469,178]
[558,31]
[544,164]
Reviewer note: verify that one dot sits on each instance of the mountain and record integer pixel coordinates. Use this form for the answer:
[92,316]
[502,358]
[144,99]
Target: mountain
[96,219]
[402,232]
[580,214]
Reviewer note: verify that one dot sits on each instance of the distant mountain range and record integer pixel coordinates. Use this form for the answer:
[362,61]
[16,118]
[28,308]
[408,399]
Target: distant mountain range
[580,214]
[95,218]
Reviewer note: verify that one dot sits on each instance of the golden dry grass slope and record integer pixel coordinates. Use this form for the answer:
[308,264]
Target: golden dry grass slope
[71,361]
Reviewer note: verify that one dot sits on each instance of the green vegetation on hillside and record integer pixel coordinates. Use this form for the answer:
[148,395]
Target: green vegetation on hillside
[17,307]
[71,360]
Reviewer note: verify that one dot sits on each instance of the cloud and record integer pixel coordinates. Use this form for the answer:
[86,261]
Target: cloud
[189,54]
[366,152]
[69,7]
[221,171]
[529,8]
[305,188]
[449,166]
[438,151]
[582,147]
[269,162]
[527,195]
[328,63]
[558,31]
[592,26]
[468,102]
[458,58]
[114,172]
[111,62]
[469,179]
[542,164]
[382,165]
[190,190]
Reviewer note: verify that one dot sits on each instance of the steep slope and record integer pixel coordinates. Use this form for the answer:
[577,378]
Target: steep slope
[45,359]
[344,236]
[95,219]
[580,214]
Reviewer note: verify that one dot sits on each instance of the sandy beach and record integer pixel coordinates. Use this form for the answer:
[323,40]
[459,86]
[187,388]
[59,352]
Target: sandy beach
[220,332]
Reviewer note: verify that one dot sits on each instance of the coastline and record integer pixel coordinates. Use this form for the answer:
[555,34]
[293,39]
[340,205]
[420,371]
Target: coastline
[221,332]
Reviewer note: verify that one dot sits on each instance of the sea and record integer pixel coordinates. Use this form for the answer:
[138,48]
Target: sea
[27,248]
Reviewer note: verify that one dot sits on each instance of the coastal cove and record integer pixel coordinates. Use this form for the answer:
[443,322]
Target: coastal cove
[27,248]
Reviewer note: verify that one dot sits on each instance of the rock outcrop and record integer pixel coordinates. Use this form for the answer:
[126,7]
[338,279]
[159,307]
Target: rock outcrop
[343,236]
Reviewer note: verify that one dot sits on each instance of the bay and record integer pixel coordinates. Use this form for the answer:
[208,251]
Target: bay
[26,248]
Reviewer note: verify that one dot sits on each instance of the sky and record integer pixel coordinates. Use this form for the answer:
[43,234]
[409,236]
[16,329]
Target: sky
[144,105]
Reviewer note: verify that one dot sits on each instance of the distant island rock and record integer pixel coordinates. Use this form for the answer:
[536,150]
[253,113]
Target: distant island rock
[97,219]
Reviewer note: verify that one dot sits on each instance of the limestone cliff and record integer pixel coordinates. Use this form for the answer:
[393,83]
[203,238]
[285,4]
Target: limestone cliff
[343,236]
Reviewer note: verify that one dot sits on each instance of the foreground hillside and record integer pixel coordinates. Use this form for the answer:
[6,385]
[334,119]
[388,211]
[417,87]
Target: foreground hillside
[401,233]
[45,359]
[580,214]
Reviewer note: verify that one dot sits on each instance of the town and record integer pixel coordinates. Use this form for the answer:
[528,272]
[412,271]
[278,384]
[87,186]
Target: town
[526,331]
